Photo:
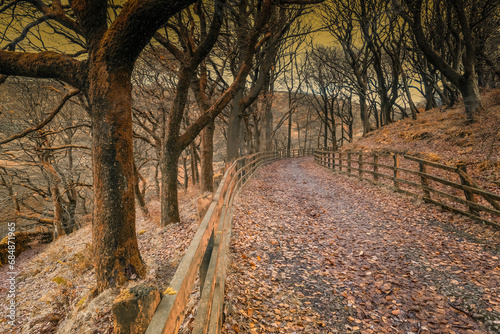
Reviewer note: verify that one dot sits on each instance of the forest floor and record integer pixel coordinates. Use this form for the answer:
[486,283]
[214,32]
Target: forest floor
[56,282]
[317,252]
[312,251]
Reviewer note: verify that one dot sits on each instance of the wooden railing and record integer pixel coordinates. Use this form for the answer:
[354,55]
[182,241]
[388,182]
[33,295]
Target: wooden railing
[207,255]
[447,186]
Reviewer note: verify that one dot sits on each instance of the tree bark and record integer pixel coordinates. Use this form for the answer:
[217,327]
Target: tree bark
[186,174]
[470,92]
[257,136]
[413,108]
[234,127]
[116,252]
[448,94]
[363,110]
[333,129]
[268,115]
[171,149]
[169,173]
[325,137]
[428,82]
[207,154]
[140,197]
[54,179]
[289,132]
[194,164]
[58,230]
[68,219]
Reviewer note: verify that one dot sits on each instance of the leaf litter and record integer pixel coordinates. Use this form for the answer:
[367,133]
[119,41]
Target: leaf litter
[56,282]
[317,252]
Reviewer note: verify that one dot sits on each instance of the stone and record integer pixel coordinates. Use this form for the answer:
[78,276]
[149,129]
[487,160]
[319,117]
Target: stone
[20,240]
[134,308]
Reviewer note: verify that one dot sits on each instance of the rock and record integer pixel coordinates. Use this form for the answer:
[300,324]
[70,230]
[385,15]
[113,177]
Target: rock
[134,308]
[19,241]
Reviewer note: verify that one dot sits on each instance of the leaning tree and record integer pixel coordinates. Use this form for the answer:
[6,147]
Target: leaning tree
[106,45]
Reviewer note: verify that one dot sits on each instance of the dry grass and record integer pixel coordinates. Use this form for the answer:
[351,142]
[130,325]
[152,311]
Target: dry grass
[56,282]
[443,135]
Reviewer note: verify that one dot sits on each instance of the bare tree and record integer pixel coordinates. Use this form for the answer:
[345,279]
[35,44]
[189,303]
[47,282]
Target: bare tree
[341,20]
[276,31]
[109,50]
[190,57]
[46,172]
[463,18]
[326,85]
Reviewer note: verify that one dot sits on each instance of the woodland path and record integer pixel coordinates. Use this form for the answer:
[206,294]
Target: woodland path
[317,252]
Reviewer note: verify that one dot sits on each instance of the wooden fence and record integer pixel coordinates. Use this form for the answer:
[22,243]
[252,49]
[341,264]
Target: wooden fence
[207,255]
[447,186]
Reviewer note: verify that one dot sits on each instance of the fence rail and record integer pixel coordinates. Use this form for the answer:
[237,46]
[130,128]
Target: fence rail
[207,255]
[447,186]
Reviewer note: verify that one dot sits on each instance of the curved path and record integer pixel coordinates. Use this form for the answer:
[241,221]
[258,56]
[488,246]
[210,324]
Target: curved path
[316,252]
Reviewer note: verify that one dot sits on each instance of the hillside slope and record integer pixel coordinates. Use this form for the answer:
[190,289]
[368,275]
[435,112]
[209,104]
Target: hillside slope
[442,135]
[55,287]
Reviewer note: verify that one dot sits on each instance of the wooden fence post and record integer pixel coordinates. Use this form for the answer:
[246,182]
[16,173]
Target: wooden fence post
[423,180]
[348,162]
[375,167]
[206,261]
[396,170]
[333,160]
[360,165]
[468,195]
[243,169]
[340,161]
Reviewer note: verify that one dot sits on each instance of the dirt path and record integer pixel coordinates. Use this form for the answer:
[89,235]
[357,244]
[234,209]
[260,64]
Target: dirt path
[315,252]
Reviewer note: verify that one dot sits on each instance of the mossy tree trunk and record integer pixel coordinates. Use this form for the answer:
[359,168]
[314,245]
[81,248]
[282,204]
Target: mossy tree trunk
[105,78]
[116,251]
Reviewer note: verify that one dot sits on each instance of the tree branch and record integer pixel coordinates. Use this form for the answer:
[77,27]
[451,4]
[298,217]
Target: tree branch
[44,122]
[44,64]
[62,147]
[134,27]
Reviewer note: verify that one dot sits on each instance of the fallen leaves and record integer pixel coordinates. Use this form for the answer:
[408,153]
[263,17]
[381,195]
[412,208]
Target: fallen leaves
[169,291]
[351,258]
[58,279]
